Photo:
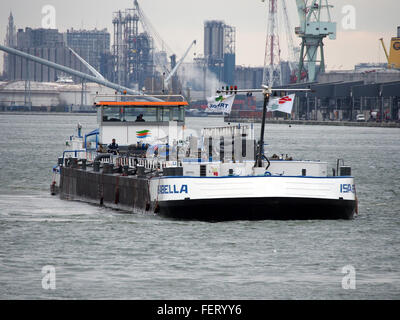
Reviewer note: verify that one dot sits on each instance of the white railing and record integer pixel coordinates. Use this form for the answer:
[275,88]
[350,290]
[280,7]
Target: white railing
[132,162]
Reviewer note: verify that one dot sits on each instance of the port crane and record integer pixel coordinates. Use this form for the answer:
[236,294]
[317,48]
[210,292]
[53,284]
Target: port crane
[293,51]
[272,73]
[384,49]
[180,62]
[386,53]
[278,15]
[312,31]
[168,72]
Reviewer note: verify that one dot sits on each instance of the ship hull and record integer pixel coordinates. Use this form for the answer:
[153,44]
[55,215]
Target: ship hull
[215,199]
[258,209]
[255,197]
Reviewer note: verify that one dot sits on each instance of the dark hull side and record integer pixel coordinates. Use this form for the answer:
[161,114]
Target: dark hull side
[258,209]
[132,194]
[110,190]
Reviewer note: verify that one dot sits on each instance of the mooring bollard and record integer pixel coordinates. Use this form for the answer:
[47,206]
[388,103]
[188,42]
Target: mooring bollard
[96,166]
[140,171]
[125,170]
[83,164]
[74,163]
[108,168]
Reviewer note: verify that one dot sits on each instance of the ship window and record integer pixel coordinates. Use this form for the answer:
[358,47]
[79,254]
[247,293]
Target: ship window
[171,114]
[164,114]
[111,114]
[176,114]
[149,114]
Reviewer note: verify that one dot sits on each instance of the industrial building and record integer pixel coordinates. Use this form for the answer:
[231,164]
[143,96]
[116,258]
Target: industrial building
[220,50]
[44,43]
[252,77]
[338,101]
[50,44]
[368,76]
[135,61]
[94,47]
[344,100]
[10,41]
[49,96]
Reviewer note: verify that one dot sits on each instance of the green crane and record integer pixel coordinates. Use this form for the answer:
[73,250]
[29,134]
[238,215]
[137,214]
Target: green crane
[313,29]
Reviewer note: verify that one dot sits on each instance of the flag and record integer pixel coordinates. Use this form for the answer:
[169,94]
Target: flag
[220,103]
[284,104]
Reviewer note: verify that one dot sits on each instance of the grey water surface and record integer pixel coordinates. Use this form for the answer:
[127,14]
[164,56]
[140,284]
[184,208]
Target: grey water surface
[99,253]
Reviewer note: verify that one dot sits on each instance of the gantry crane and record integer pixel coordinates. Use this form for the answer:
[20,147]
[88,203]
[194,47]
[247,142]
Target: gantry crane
[312,31]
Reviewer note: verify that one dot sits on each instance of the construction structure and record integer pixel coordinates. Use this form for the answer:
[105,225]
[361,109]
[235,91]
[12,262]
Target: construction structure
[134,62]
[275,67]
[93,46]
[272,61]
[393,56]
[51,45]
[220,50]
[10,41]
[132,50]
[315,25]
[58,67]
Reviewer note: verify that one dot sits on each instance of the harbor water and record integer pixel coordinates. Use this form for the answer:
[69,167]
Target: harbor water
[99,253]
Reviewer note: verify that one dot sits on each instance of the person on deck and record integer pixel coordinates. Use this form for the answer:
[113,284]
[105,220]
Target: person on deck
[113,147]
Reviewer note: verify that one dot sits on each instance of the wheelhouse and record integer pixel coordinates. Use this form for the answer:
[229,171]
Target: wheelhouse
[150,111]
[141,119]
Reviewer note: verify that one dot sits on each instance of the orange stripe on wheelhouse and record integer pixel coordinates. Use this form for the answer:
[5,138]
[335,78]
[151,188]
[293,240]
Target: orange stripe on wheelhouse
[141,103]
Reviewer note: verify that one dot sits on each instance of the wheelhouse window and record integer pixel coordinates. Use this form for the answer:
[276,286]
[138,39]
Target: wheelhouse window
[111,114]
[148,114]
[138,114]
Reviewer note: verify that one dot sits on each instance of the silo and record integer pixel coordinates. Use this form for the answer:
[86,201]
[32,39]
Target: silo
[207,39]
[218,40]
[214,40]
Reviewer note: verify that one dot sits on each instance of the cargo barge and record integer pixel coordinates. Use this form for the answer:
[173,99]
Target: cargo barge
[156,167]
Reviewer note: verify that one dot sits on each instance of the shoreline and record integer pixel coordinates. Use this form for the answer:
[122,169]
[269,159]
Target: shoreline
[319,123]
[25,113]
[237,120]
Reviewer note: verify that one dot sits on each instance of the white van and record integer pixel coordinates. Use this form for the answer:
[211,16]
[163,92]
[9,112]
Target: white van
[360,118]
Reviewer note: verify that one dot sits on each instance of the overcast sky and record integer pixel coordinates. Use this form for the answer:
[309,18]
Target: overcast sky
[181,21]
